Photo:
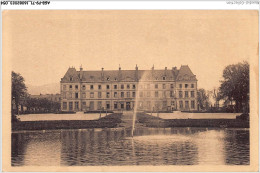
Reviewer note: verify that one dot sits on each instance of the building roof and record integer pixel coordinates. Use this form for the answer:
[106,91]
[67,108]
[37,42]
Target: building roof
[183,74]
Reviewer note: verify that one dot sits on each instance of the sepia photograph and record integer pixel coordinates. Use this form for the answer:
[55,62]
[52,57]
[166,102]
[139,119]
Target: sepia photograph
[131,88]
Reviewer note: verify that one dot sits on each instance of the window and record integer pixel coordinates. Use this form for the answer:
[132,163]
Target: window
[115,94]
[180,85]
[156,94]
[156,86]
[148,104]
[180,94]
[133,94]
[122,106]
[83,87]
[171,94]
[71,78]
[70,95]
[133,86]
[164,86]
[115,86]
[148,94]
[99,94]
[164,77]
[91,87]
[108,87]
[186,104]
[83,95]
[141,94]
[84,104]
[70,106]
[128,94]
[64,95]
[192,94]
[91,95]
[164,104]
[186,85]
[108,78]
[192,104]
[76,87]
[172,103]
[186,94]
[108,94]
[122,94]
[108,105]
[172,86]
[164,94]
[122,86]
[99,105]
[181,104]
[64,87]
[64,105]
[115,105]
[99,87]
[76,105]
[128,86]
[70,86]
[192,85]
[91,105]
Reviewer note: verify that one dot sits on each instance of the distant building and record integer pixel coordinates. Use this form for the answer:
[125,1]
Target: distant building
[166,89]
[50,97]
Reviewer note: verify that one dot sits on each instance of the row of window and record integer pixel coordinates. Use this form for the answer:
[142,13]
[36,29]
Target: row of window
[186,94]
[108,78]
[130,94]
[128,86]
[121,105]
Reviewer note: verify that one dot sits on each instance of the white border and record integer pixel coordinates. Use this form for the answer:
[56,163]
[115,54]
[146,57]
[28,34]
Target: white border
[138,5]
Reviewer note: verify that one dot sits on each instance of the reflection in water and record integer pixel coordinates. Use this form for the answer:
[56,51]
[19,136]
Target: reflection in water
[150,146]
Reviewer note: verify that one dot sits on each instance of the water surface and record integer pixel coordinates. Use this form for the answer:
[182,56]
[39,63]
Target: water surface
[150,146]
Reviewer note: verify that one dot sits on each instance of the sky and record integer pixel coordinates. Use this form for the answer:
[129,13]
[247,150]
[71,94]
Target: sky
[42,45]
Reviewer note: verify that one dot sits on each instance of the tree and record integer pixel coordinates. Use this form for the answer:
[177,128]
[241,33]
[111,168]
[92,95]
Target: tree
[235,86]
[203,99]
[19,91]
[215,93]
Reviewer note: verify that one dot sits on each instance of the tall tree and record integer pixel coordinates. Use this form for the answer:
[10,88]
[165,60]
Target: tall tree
[235,86]
[215,94]
[19,91]
[203,99]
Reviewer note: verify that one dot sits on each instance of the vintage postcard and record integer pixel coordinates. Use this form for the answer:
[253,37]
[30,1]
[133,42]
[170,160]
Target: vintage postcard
[130,90]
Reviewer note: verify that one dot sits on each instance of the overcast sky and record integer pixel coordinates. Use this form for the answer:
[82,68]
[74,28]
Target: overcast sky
[43,44]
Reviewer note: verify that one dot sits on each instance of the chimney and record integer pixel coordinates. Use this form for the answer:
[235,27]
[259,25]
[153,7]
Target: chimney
[136,73]
[165,71]
[102,73]
[153,71]
[119,73]
[80,72]
[174,70]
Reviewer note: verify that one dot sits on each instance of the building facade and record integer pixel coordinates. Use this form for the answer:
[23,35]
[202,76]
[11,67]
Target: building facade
[151,90]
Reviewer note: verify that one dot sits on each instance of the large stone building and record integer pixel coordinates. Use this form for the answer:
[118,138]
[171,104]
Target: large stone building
[166,89]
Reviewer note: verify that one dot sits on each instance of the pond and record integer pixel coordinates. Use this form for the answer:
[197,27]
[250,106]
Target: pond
[150,146]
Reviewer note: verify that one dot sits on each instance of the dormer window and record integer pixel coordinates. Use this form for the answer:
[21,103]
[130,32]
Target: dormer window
[108,78]
[71,78]
[115,79]
[164,78]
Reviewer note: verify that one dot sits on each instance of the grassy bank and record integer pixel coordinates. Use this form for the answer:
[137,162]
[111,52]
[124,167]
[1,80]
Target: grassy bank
[109,121]
[151,121]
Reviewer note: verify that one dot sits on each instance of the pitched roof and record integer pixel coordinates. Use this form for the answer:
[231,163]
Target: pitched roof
[185,74]
[127,75]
